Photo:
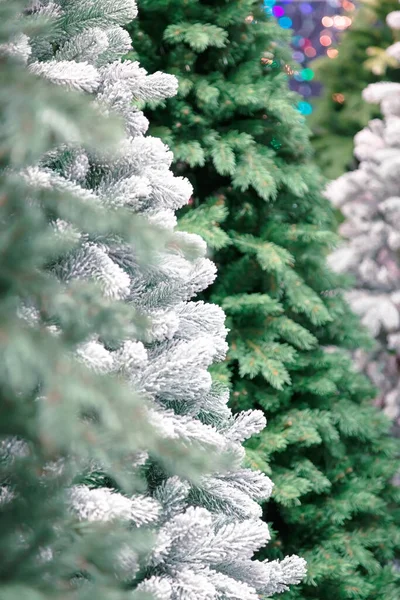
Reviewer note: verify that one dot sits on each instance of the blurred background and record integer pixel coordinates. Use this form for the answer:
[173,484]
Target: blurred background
[339,47]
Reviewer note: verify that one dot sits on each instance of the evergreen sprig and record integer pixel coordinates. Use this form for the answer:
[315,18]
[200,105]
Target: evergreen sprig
[290,328]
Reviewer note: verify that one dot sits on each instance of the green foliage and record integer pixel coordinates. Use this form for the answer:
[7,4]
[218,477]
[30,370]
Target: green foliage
[325,446]
[58,417]
[361,60]
[205,220]
[197,36]
[54,437]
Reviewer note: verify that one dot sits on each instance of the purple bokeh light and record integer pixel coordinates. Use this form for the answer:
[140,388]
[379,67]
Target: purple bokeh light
[278,11]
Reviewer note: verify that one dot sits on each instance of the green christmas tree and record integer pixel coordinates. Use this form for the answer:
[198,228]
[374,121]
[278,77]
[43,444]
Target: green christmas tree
[235,131]
[121,465]
[340,112]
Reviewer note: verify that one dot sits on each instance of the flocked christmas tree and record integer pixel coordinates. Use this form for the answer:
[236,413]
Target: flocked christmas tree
[370,203]
[236,133]
[104,382]
[340,112]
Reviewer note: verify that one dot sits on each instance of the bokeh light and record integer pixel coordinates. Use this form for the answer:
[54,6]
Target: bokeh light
[268,5]
[306,8]
[325,40]
[341,22]
[349,6]
[304,108]
[317,25]
[278,11]
[310,52]
[285,22]
[327,21]
[338,98]
[305,89]
[297,40]
[307,74]
[298,56]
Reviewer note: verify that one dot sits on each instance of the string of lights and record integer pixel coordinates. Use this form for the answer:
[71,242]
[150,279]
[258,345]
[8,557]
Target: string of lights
[316,25]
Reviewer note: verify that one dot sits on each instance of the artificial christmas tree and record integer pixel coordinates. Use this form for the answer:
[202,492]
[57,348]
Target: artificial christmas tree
[104,381]
[340,112]
[368,198]
[45,394]
[236,133]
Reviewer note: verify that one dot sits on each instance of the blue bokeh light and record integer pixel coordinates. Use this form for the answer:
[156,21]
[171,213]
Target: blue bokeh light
[268,6]
[297,40]
[285,22]
[298,56]
[304,108]
[305,90]
[306,8]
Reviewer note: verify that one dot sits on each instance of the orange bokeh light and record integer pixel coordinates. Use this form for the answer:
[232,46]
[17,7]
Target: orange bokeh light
[341,22]
[348,5]
[325,40]
[310,52]
[338,98]
[332,52]
[327,21]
